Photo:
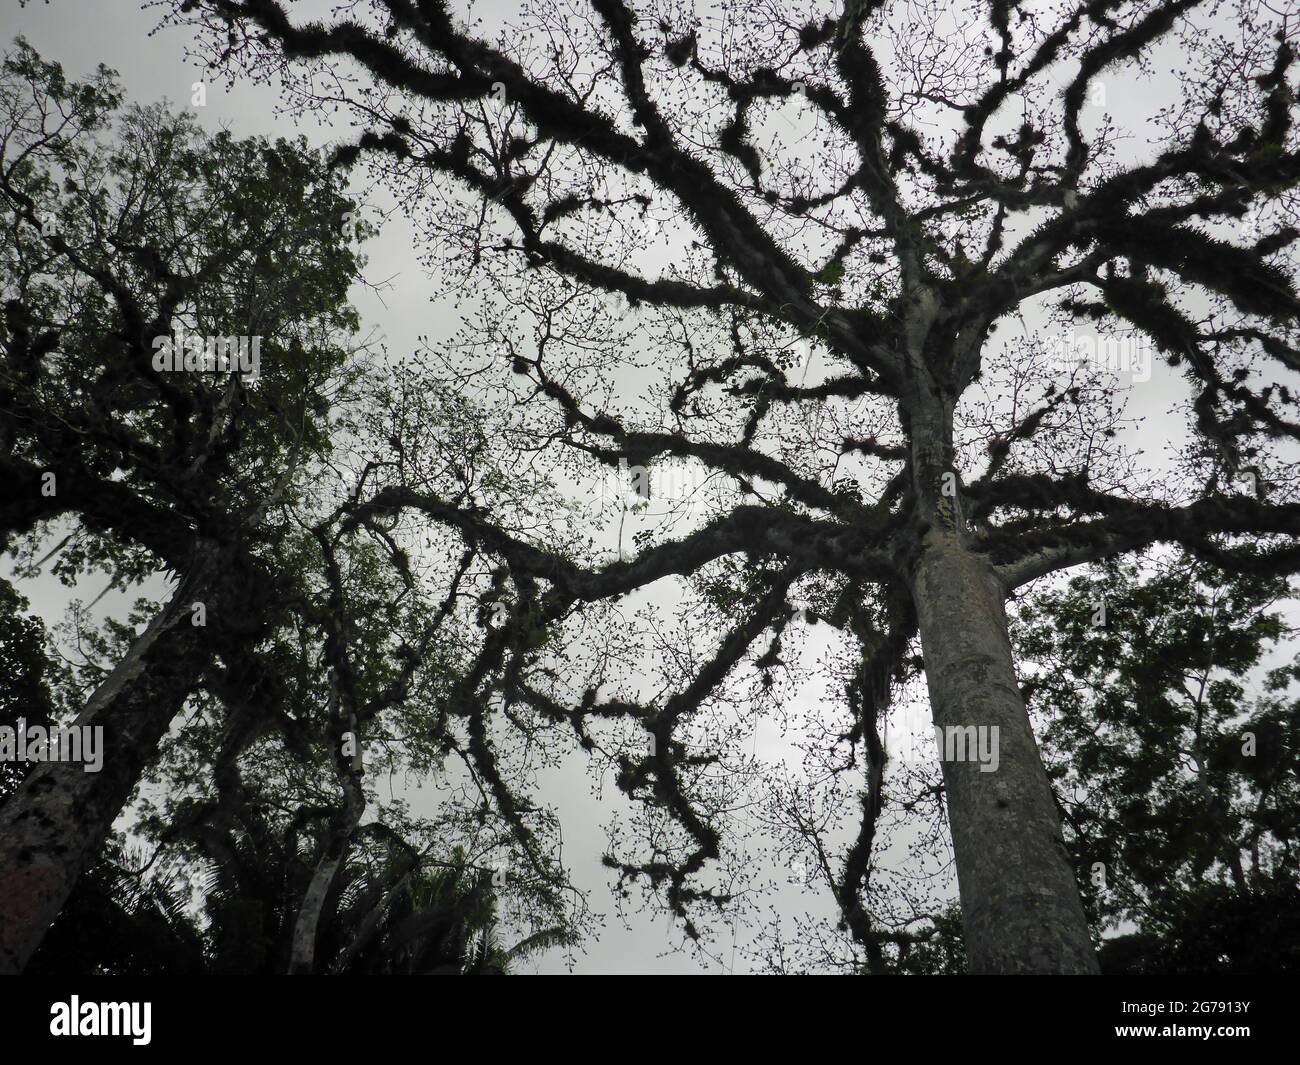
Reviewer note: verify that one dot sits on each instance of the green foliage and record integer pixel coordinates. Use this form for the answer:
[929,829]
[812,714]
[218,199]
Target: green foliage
[131,224]
[160,226]
[1168,772]
[941,953]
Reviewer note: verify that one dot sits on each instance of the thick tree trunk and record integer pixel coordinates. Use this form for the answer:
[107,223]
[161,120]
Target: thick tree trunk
[1020,902]
[54,825]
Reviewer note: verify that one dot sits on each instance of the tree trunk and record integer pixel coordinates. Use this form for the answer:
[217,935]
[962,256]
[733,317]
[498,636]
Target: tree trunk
[1020,902]
[53,826]
[306,929]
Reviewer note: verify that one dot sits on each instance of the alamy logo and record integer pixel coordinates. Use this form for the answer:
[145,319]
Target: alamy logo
[208,354]
[102,1018]
[955,743]
[969,743]
[67,743]
[1124,356]
[657,490]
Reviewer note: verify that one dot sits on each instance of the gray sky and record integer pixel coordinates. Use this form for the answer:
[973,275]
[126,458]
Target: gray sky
[83,33]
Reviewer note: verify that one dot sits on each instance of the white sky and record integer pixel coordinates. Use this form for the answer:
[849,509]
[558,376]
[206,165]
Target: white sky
[83,33]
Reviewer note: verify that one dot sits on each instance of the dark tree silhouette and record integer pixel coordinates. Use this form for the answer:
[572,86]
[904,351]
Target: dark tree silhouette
[947,187]
[109,243]
[26,667]
[1178,791]
[307,659]
[1170,748]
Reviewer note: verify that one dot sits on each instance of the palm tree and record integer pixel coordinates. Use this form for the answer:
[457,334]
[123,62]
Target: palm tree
[438,920]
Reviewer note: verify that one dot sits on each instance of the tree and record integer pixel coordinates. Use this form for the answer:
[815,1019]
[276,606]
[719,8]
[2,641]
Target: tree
[436,919]
[301,882]
[1178,792]
[1170,750]
[307,657]
[115,923]
[951,188]
[128,238]
[443,921]
[262,789]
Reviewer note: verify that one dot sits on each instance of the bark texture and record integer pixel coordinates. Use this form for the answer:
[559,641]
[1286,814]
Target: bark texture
[53,826]
[1020,902]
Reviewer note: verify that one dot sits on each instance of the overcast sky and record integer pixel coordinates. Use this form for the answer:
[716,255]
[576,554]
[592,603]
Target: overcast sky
[83,33]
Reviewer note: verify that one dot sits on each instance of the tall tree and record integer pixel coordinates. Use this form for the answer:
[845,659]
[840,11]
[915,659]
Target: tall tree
[130,237]
[1168,728]
[255,801]
[959,172]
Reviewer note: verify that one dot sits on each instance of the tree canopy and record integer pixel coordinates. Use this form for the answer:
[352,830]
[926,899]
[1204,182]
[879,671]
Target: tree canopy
[850,304]
[286,660]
